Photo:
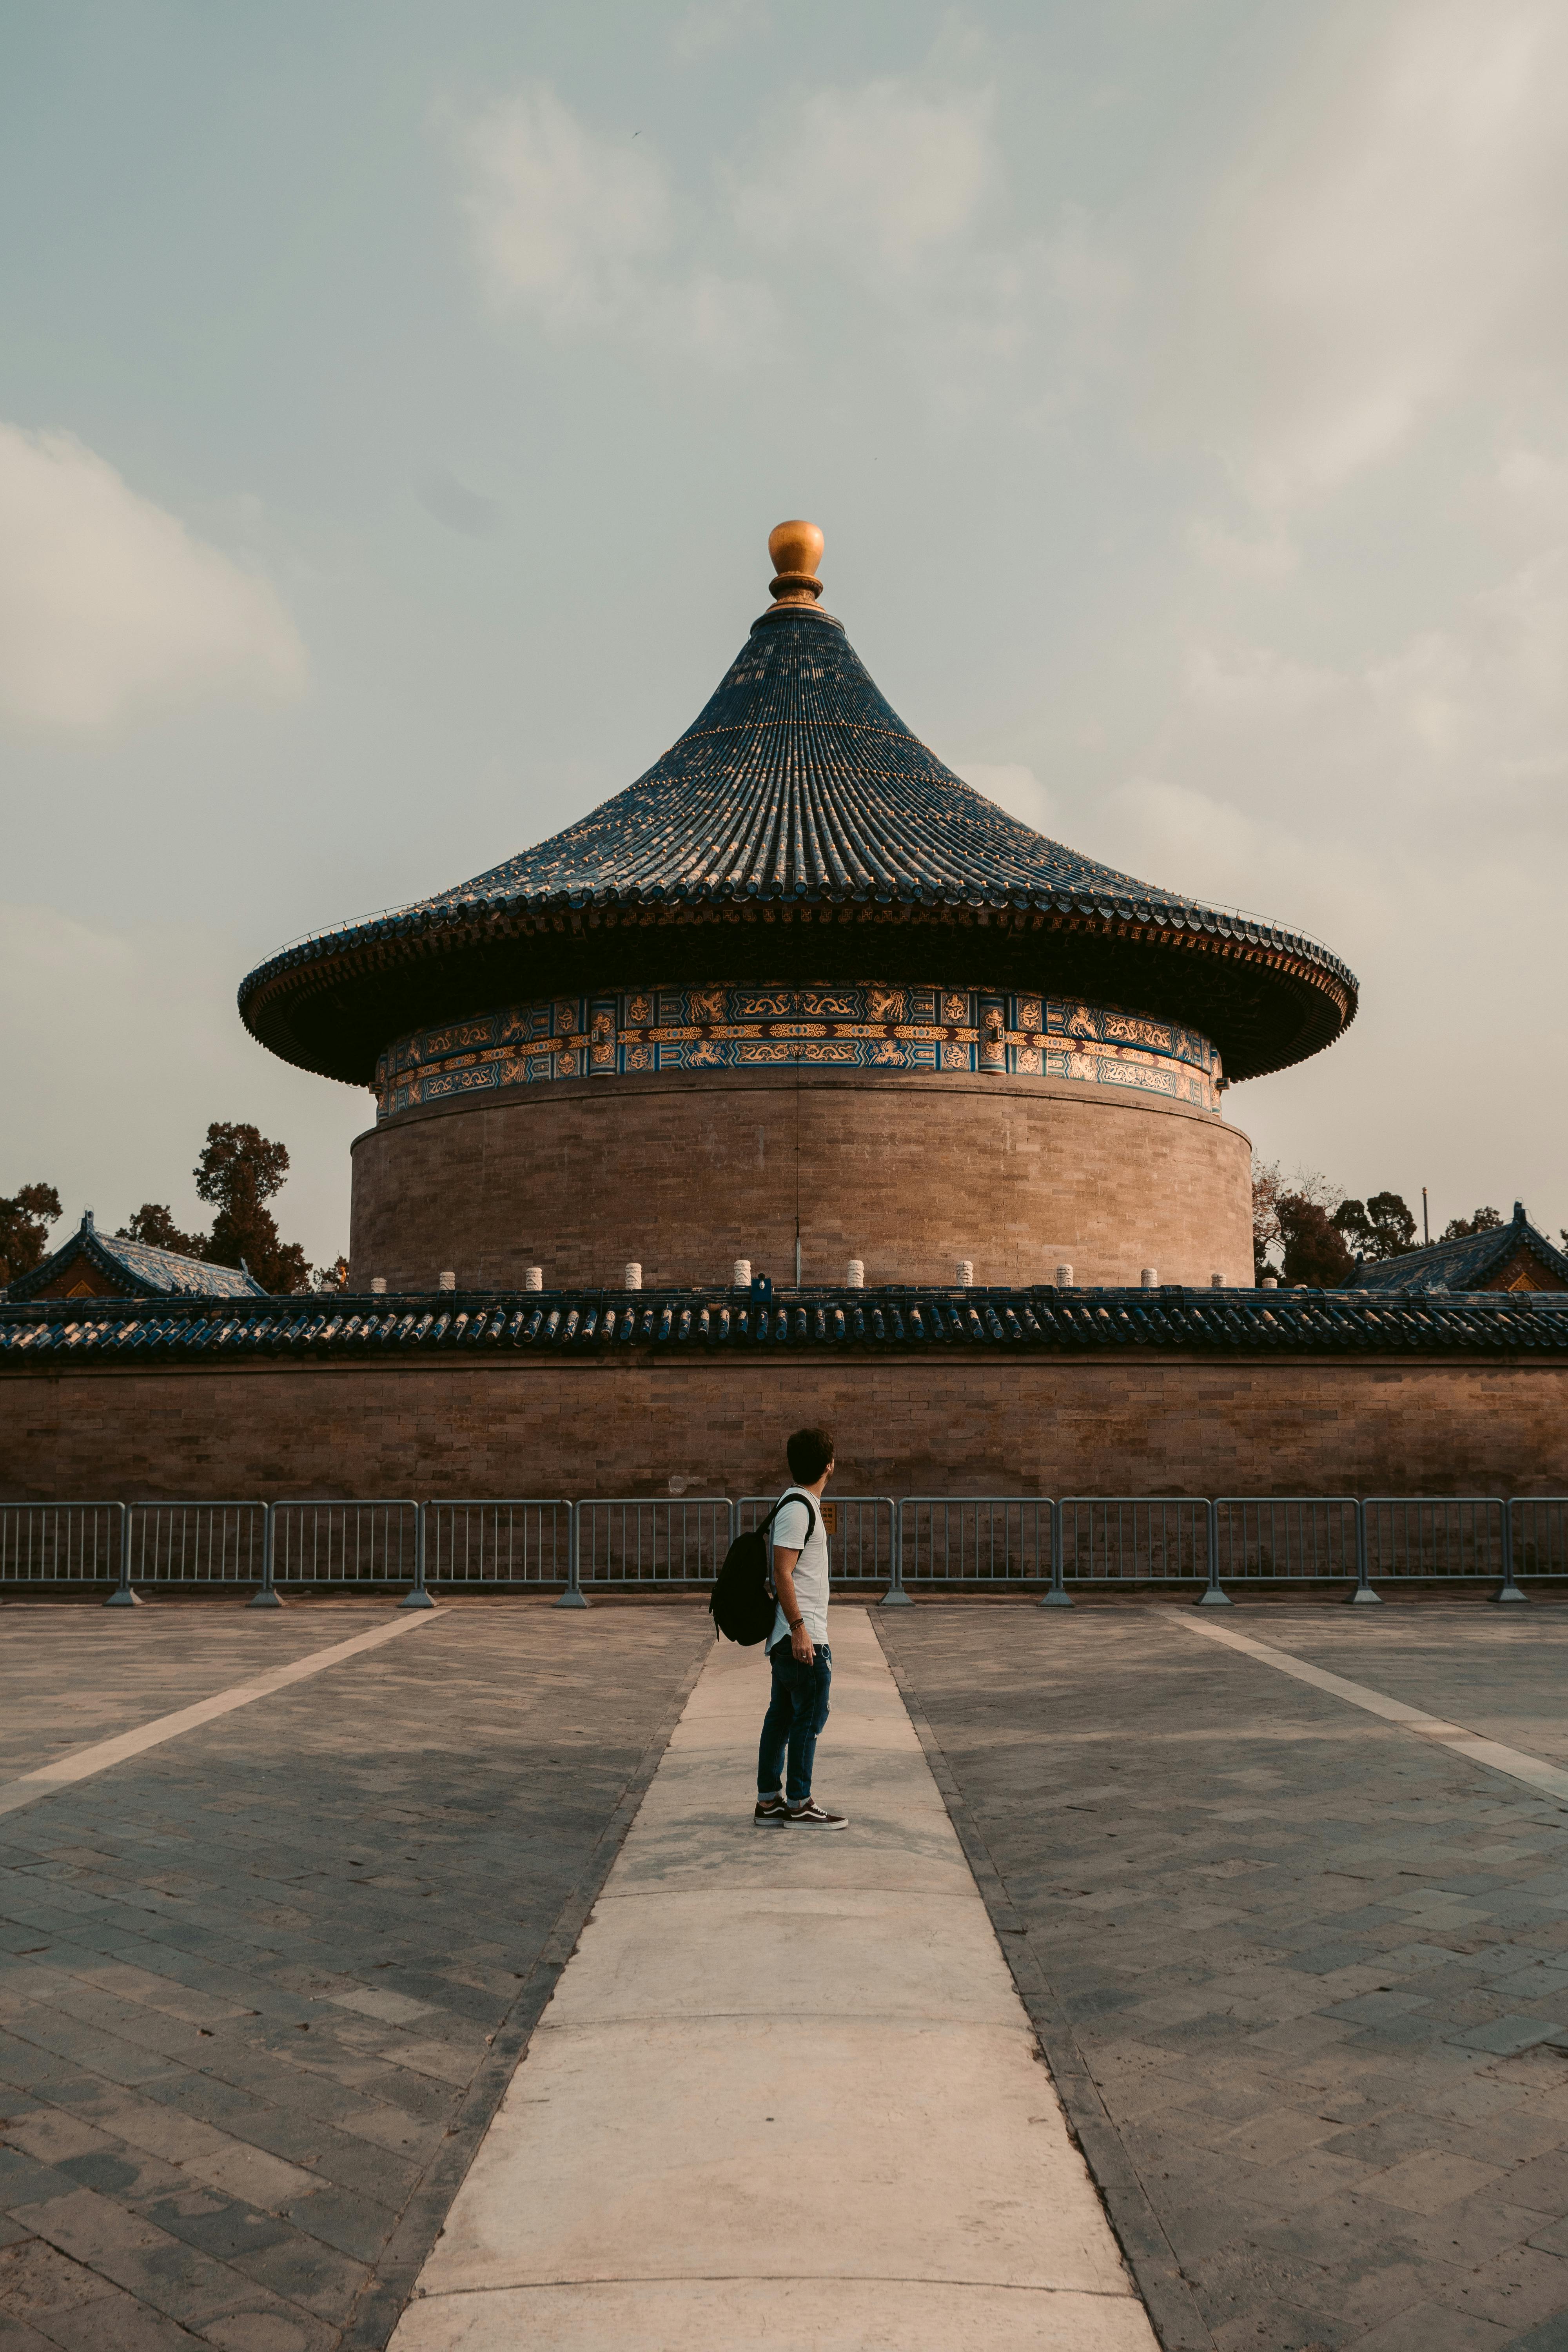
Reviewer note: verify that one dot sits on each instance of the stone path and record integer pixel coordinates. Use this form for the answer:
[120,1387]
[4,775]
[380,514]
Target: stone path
[262,1988]
[1310,1970]
[785,2093]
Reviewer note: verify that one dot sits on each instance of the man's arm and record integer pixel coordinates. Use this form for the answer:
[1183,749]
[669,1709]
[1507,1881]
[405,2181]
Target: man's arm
[800,1643]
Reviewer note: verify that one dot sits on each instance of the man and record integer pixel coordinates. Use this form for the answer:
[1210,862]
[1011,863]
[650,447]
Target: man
[798,1654]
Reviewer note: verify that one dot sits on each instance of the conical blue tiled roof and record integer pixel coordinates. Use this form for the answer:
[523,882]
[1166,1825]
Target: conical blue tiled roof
[799,830]
[798,776]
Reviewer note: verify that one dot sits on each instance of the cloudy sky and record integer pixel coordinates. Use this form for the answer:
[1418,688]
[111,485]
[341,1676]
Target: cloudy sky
[396,397]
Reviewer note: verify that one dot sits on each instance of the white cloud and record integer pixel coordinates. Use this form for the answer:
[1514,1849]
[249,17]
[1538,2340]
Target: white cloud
[711,25]
[886,175]
[565,221]
[109,611]
[1391,242]
[575,228]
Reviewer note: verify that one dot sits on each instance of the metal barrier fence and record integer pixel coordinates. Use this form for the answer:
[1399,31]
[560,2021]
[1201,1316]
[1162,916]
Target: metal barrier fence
[197,1543]
[494,1547]
[1108,1539]
[1538,1545]
[1445,1536]
[977,1542]
[938,1543]
[62,1543]
[863,1539]
[1290,1539]
[637,1543]
[344,1543]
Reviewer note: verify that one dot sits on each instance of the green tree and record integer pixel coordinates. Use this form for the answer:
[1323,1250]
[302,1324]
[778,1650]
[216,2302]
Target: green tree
[153,1224]
[25,1222]
[1379,1227]
[239,1171]
[1268,1185]
[1315,1251]
[1459,1229]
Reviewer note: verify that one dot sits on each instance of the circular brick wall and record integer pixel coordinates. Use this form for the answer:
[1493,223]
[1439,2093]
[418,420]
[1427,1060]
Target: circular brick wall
[687,1171]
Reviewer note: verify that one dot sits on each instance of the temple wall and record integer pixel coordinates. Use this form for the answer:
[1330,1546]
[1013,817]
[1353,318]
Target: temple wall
[940,1422]
[685,1172]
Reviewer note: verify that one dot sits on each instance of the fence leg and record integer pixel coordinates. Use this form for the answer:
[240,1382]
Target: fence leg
[573,1597]
[1511,1590]
[895,1596]
[1364,1594]
[123,1597]
[1214,1596]
[267,1596]
[1059,1596]
[418,1598]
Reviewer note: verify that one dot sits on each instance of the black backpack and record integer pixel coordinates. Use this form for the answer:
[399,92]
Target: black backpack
[743,1600]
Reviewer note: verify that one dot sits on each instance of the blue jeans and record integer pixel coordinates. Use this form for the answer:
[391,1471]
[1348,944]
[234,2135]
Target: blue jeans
[796,1713]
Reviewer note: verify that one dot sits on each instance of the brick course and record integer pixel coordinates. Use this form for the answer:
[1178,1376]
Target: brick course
[969,1422]
[685,1172]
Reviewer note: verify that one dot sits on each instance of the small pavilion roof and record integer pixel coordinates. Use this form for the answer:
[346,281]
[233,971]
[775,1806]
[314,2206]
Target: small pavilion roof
[798,796]
[1474,1262]
[136,1269]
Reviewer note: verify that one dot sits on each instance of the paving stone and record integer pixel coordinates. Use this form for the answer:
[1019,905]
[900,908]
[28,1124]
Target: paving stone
[37,2279]
[166,1929]
[15,2336]
[1550,2335]
[1382,1954]
[1436,2328]
[1431,2181]
[353,2225]
[117,2321]
[304,2270]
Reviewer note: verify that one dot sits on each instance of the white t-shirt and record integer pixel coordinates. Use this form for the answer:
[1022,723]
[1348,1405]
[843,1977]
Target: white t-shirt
[810,1569]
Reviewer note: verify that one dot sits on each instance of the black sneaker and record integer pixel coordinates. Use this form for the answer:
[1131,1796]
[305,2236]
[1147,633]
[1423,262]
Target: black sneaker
[771,1808]
[813,1816]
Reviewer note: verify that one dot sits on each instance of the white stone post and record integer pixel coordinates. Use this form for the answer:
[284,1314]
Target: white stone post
[1150,1278]
[741,1275]
[963,1274]
[378,1284]
[1270,1282]
[855,1274]
[533,1277]
[1064,1278]
[631,1275]
[449,1282]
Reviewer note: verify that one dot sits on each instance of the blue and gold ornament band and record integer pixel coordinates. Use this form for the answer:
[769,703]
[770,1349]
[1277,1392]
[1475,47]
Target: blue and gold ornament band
[634,1031]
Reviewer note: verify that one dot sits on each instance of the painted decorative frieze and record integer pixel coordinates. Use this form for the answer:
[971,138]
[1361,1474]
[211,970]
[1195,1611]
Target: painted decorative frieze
[630,1032]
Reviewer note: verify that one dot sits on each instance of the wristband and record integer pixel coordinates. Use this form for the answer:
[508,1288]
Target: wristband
[793,1622]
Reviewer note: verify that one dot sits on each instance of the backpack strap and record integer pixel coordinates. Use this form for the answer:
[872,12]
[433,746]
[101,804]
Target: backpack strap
[792,1493]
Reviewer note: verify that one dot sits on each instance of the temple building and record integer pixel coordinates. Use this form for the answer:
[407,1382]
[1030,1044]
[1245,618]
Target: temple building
[91,1264]
[799,997]
[1515,1256]
[798,1004]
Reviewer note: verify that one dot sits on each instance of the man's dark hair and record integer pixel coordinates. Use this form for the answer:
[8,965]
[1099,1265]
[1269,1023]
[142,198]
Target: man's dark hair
[810,1451]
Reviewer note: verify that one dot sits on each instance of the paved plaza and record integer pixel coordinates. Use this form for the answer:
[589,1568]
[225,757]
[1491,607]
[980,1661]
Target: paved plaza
[263,1987]
[1302,1973]
[1295,1949]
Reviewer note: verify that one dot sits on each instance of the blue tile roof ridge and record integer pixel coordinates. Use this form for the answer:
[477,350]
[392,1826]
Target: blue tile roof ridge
[1012,1319]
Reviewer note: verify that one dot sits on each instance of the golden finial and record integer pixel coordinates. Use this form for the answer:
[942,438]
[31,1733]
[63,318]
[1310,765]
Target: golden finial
[796,549]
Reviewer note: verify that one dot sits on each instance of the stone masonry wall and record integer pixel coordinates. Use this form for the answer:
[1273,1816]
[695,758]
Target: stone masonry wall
[687,1172]
[941,1422]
